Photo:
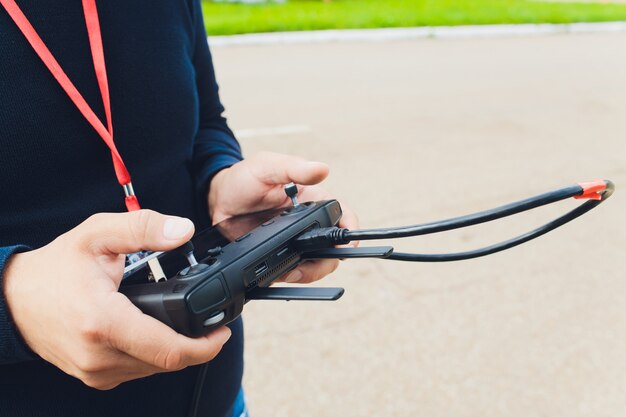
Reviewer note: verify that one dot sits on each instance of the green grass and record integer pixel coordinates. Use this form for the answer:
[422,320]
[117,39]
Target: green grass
[227,19]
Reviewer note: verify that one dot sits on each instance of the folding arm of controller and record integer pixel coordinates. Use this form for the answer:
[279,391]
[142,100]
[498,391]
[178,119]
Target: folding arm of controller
[318,294]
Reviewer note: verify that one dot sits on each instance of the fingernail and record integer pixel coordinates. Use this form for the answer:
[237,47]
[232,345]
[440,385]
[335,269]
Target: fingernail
[294,276]
[176,227]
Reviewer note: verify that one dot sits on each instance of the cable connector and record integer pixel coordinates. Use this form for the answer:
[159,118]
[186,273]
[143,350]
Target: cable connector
[592,190]
[321,238]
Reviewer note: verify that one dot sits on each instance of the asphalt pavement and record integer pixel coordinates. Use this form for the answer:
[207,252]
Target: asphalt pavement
[421,130]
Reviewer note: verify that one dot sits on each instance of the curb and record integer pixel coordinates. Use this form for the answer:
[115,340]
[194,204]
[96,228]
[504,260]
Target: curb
[426,32]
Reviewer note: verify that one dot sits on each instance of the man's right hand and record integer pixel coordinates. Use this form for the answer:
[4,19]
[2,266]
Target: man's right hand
[64,301]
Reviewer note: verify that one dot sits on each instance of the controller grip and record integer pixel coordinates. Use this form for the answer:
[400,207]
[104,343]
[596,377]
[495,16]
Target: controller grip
[150,299]
[191,308]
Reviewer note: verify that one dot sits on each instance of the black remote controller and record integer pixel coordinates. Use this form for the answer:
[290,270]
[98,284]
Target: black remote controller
[238,259]
[242,256]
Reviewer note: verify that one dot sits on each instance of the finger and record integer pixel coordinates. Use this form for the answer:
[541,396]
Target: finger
[123,364]
[274,168]
[154,343]
[349,220]
[119,367]
[110,379]
[120,233]
[311,271]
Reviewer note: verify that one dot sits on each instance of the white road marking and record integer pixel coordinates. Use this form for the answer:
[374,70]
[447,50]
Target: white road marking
[271,131]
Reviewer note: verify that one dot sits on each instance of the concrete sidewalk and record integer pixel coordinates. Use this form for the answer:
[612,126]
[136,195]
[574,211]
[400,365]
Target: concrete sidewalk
[414,33]
[421,130]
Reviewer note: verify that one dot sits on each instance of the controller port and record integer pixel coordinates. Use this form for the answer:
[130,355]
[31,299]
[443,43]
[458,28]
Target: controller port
[260,268]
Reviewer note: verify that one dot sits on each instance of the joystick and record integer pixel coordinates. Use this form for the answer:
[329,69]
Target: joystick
[292,191]
[187,250]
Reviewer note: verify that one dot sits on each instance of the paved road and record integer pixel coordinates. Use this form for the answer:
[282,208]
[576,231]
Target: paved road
[417,131]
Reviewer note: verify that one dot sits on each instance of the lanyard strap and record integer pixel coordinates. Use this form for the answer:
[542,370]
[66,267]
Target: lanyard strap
[97,54]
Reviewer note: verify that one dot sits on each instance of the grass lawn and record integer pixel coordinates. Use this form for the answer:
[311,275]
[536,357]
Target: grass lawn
[227,19]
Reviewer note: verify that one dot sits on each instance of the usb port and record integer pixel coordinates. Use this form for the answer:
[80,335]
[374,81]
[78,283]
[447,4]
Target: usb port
[260,268]
[282,251]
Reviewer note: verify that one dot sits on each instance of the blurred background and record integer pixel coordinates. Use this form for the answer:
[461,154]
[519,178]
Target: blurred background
[424,129]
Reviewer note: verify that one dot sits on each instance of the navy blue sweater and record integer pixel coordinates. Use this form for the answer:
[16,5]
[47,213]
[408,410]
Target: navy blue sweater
[55,171]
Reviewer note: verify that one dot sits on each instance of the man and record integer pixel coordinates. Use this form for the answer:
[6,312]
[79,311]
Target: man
[70,344]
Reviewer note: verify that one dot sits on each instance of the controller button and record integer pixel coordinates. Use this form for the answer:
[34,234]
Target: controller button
[214,319]
[207,295]
[215,251]
[239,239]
[267,223]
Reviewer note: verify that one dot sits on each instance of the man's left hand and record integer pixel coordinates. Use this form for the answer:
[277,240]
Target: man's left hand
[257,184]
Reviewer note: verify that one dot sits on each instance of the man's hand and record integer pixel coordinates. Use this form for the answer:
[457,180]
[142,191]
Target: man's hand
[257,183]
[64,301]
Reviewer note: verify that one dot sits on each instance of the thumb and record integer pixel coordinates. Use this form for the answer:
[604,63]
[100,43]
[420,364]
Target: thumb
[121,233]
[274,168]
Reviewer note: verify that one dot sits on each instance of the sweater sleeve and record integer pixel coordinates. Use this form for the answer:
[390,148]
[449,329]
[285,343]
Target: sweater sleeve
[215,146]
[12,347]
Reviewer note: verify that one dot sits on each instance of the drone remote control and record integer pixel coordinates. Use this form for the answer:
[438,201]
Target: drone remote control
[240,257]
[211,292]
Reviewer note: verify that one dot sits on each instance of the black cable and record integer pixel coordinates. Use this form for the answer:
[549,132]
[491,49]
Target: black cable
[498,247]
[468,220]
[319,238]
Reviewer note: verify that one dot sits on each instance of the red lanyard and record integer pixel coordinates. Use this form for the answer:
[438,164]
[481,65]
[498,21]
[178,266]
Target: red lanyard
[97,54]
